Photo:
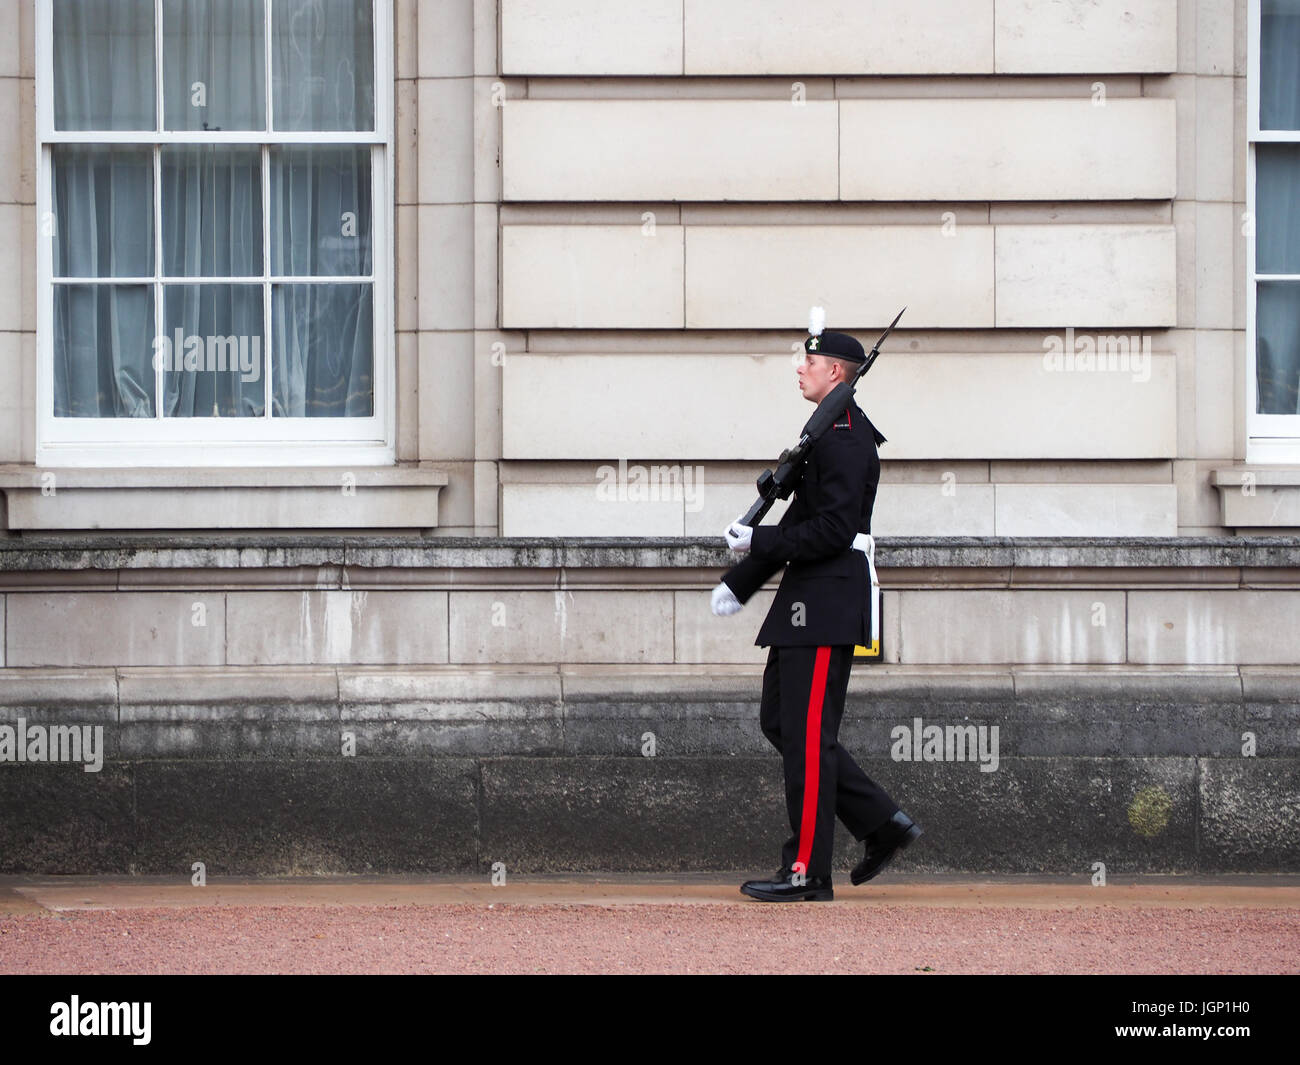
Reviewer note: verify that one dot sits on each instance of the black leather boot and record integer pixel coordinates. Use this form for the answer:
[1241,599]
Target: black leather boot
[898,832]
[787,888]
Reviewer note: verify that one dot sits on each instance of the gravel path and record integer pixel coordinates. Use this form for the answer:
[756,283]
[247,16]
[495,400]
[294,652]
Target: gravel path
[659,938]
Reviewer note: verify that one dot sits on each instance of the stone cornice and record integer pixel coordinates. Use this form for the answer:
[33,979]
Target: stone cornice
[242,551]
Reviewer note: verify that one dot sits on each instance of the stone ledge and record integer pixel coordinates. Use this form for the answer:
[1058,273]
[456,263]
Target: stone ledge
[1271,476]
[248,688]
[404,497]
[1258,497]
[15,476]
[44,552]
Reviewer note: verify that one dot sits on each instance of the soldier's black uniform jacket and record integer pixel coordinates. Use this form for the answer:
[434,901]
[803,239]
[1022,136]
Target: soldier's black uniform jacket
[823,596]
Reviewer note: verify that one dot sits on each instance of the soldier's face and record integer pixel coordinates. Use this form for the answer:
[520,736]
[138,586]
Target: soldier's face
[817,376]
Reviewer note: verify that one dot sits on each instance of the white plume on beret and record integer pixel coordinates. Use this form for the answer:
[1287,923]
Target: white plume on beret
[817,321]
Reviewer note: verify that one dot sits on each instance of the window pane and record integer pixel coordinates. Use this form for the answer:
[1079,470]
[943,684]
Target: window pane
[212,211]
[1277,208]
[1277,324]
[103,351]
[104,65]
[214,64]
[211,352]
[321,212]
[323,351]
[103,211]
[1279,78]
[323,65]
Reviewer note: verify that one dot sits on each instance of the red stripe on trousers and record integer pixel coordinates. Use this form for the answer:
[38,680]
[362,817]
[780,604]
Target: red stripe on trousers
[812,756]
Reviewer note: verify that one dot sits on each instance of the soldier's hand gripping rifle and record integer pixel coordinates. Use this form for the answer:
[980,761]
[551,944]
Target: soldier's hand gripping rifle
[779,485]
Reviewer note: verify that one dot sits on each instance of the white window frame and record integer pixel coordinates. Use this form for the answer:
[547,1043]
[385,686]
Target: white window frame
[1270,438]
[265,441]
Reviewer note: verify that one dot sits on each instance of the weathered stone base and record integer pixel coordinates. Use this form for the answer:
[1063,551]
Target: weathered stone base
[455,770]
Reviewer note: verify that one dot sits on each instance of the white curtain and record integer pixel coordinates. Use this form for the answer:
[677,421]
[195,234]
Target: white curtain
[103,339]
[1277,322]
[103,334]
[103,203]
[322,65]
[1277,212]
[212,210]
[323,361]
[1279,40]
[321,208]
[321,211]
[103,64]
[214,64]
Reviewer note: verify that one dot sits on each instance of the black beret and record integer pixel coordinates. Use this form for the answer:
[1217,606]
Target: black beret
[838,345]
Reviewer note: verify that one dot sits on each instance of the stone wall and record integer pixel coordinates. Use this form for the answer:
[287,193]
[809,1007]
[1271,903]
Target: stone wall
[353,705]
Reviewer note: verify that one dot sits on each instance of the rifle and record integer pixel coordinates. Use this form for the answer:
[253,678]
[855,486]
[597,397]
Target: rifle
[789,465]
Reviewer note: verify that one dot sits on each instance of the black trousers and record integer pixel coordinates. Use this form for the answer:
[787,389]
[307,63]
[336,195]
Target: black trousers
[803,701]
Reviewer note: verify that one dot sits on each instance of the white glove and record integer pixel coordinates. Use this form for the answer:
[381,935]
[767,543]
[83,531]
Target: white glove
[862,542]
[725,602]
[739,536]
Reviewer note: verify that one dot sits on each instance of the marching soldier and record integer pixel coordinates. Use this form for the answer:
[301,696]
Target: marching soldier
[820,612]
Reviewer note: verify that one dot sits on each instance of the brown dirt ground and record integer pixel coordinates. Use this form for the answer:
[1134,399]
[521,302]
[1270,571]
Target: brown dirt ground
[627,924]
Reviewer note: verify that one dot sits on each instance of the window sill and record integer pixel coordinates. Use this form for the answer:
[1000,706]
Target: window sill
[1258,497]
[403,497]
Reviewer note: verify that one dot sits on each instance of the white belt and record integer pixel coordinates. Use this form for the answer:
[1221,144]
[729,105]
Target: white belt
[866,543]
